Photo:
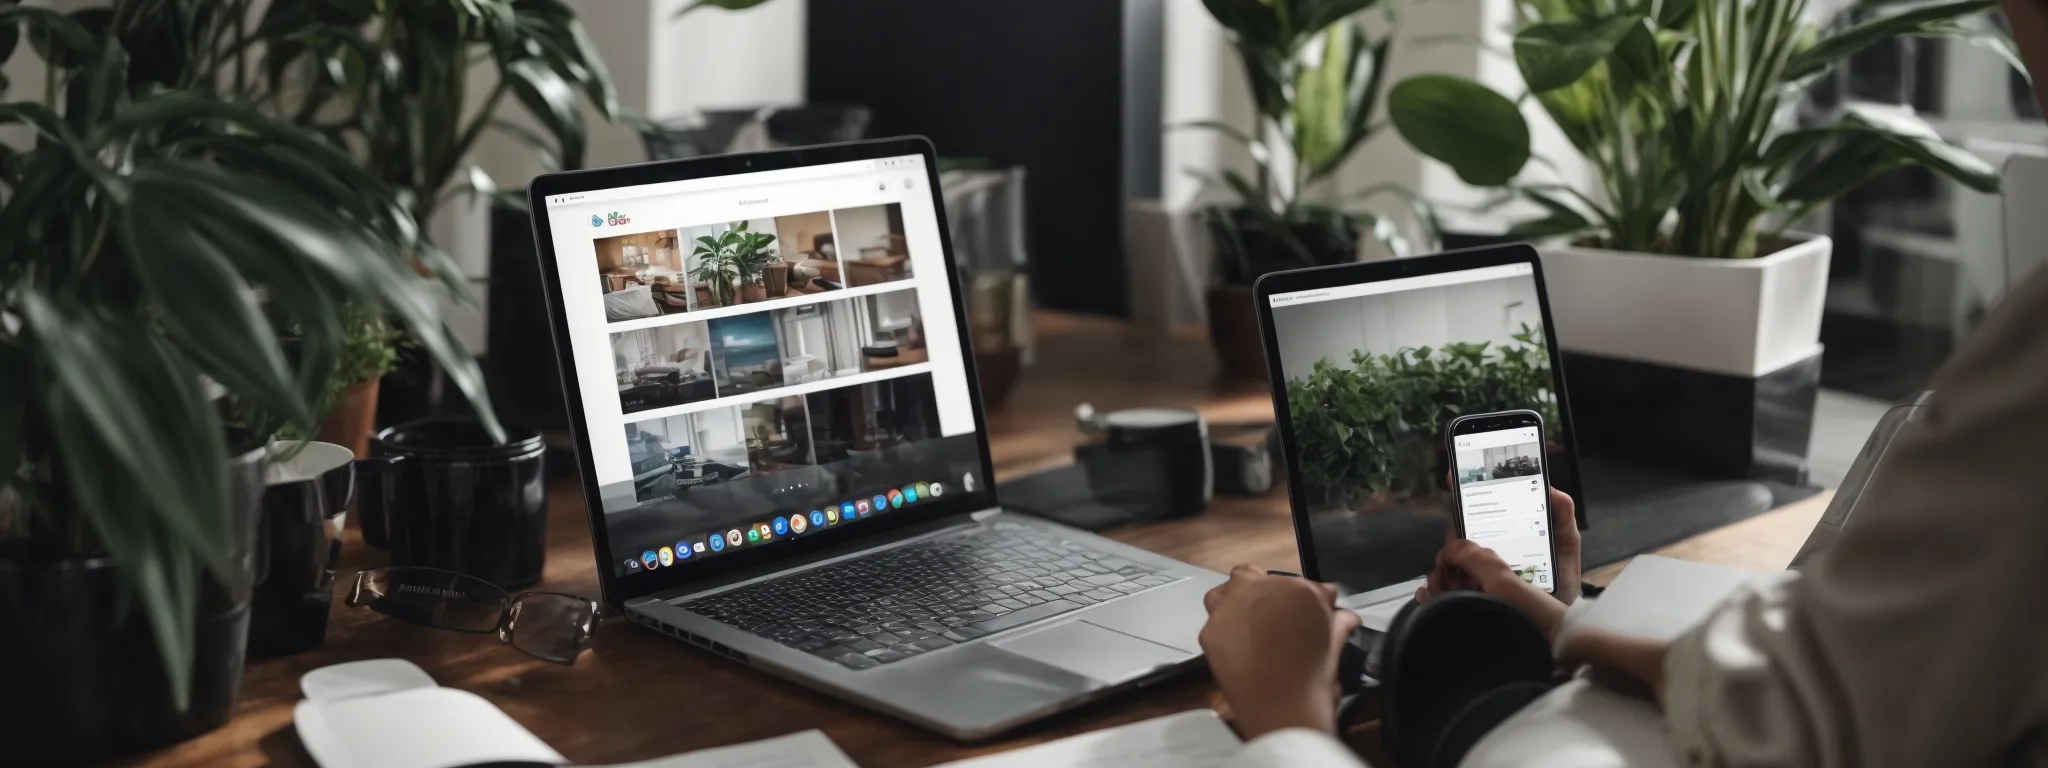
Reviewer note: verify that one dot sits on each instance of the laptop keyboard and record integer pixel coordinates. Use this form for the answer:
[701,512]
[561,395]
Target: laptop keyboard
[921,597]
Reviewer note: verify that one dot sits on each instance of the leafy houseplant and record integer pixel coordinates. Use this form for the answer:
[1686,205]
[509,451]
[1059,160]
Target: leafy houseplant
[1315,79]
[160,237]
[1676,266]
[1356,423]
[730,264]
[1678,106]
[391,82]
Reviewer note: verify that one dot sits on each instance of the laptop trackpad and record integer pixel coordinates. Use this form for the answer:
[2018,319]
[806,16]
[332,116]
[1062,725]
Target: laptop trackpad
[1092,651]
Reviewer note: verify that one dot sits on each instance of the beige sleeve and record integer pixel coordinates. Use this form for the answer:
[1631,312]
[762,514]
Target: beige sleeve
[1921,640]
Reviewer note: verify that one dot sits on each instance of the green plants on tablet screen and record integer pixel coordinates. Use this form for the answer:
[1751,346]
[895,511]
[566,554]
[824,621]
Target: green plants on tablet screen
[1371,427]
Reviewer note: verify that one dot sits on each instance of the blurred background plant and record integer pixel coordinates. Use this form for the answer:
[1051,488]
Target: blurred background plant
[1315,76]
[1356,423]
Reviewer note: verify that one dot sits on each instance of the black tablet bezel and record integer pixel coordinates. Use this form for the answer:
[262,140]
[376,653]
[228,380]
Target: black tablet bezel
[1363,272]
[616,590]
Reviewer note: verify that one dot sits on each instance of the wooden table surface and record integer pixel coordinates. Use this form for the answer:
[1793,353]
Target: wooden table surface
[639,695]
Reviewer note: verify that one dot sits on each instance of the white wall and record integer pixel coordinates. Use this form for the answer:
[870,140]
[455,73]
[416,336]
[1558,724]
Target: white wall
[1384,323]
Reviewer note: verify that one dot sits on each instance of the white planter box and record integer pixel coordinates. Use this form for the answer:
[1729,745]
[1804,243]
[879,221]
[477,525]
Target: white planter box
[1739,317]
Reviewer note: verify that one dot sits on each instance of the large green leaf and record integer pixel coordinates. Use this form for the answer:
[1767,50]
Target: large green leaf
[1467,126]
[1322,100]
[545,94]
[1311,16]
[1874,139]
[1931,21]
[1555,54]
[143,406]
[206,304]
[729,5]
[1251,21]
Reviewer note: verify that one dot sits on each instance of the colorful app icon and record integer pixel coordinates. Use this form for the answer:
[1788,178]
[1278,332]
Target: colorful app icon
[668,556]
[817,519]
[699,546]
[632,564]
[781,526]
[753,535]
[895,498]
[682,550]
[650,560]
[924,490]
[832,515]
[862,507]
[938,489]
[767,531]
[881,502]
[909,494]
[847,511]
[718,542]
[797,523]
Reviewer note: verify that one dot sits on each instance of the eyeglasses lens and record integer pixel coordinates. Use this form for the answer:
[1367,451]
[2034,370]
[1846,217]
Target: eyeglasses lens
[433,598]
[550,626]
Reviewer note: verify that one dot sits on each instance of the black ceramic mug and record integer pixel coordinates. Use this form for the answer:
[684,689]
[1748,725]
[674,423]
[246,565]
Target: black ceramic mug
[307,491]
[439,493]
[1155,460]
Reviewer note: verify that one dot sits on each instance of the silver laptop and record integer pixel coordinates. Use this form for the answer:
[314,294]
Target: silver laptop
[783,450]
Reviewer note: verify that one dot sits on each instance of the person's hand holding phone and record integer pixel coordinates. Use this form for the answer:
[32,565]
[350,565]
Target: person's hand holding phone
[1464,565]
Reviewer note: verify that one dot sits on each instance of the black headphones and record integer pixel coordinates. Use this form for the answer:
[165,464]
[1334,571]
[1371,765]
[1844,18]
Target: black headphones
[1452,669]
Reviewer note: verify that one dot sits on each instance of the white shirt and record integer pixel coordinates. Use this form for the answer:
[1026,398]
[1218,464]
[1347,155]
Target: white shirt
[1297,748]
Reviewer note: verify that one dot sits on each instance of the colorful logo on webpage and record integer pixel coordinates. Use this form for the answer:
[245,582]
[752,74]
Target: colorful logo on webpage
[596,220]
[616,219]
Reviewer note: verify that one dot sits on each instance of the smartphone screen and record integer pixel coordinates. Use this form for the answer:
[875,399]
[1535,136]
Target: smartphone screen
[1503,501]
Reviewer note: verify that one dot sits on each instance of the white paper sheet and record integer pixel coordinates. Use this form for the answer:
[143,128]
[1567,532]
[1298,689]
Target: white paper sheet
[809,749]
[1658,597]
[1196,739]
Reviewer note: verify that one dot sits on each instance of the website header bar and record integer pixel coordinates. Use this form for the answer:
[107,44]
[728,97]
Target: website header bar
[1501,272]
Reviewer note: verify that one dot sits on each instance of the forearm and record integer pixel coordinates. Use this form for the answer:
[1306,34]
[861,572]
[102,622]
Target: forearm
[1639,659]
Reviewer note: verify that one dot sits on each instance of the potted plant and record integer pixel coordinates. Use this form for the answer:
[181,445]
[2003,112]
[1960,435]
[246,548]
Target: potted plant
[160,238]
[730,264]
[391,82]
[1680,298]
[1315,78]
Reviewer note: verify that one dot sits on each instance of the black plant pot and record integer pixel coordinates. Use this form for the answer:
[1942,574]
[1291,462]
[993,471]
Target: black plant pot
[82,682]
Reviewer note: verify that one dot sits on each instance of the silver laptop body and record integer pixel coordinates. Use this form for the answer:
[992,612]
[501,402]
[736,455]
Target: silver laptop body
[812,497]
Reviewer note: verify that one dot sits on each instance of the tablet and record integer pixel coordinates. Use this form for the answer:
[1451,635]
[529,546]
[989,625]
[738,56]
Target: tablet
[1368,363]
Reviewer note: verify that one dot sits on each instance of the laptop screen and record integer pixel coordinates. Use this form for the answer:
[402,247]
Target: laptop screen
[763,357]
[1374,373]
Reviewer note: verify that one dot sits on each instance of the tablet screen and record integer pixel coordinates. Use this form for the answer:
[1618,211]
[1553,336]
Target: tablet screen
[1374,372]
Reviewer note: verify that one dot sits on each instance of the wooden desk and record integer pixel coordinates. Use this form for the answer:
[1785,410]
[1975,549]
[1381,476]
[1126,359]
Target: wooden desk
[640,695]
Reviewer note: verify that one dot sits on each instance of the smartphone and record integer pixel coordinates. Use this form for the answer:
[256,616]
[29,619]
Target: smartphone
[1503,490]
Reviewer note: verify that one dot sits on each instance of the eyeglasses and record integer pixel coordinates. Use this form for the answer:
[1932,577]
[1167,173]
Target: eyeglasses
[550,626]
